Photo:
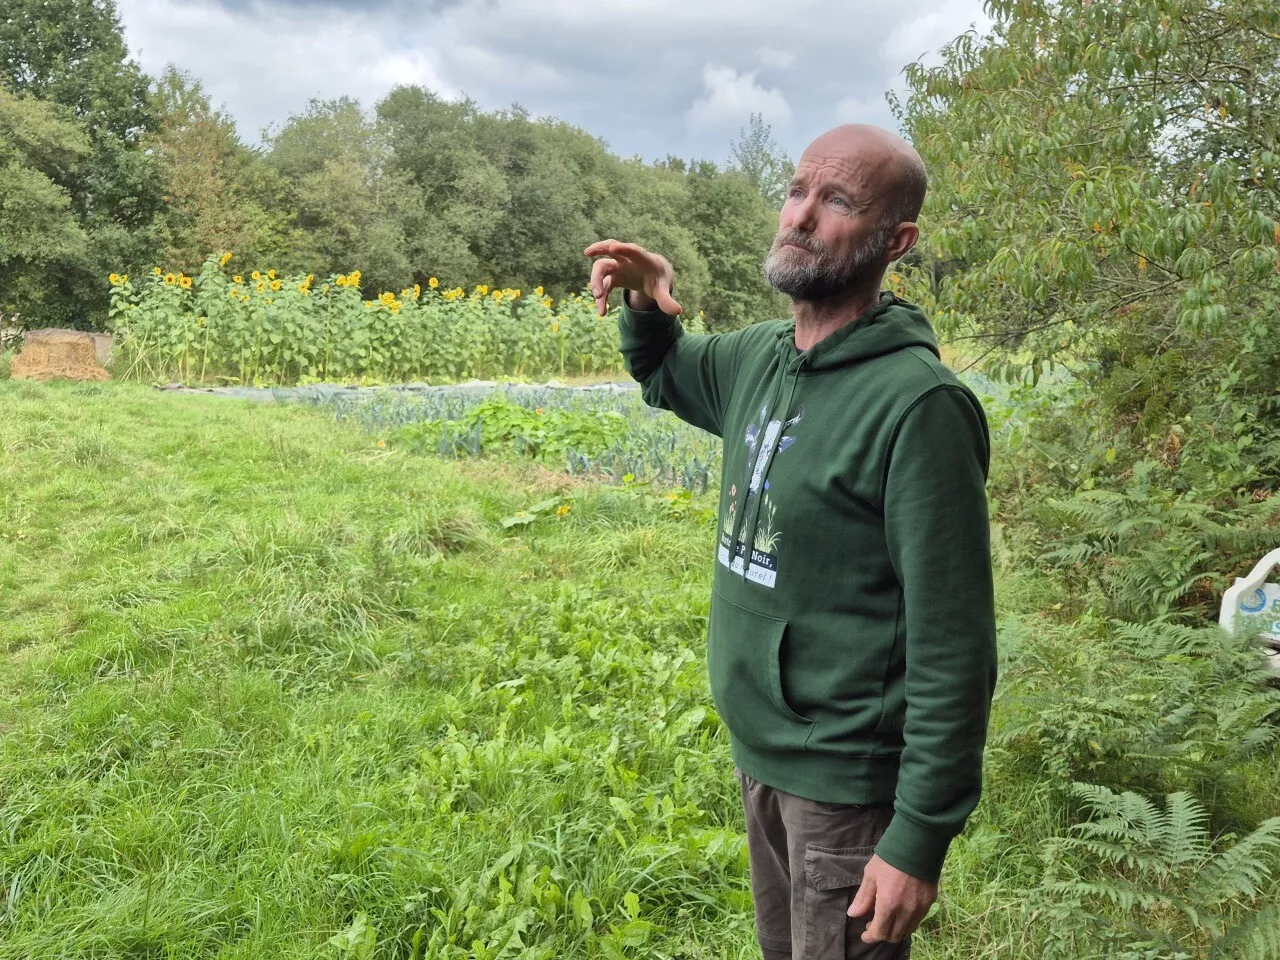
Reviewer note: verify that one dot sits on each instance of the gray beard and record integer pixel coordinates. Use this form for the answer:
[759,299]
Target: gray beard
[818,276]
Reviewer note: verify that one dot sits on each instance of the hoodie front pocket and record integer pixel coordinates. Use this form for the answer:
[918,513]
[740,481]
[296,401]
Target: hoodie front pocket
[744,651]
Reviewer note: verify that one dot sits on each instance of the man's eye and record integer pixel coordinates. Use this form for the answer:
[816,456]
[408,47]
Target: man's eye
[839,200]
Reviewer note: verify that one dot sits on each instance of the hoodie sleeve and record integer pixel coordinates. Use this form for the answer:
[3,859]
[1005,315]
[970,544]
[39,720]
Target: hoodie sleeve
[689,374]
[936,525]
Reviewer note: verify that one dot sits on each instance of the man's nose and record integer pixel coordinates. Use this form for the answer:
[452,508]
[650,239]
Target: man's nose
[800,215]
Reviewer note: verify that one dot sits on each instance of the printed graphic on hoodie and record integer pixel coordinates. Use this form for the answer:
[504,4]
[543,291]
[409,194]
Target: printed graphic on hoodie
[757,527]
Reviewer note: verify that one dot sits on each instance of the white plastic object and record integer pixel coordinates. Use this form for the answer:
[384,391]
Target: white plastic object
[1252,597]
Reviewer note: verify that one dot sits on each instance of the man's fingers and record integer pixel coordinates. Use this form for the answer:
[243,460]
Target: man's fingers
[602,300]
[614,248]
[599,247]
[599,270]
[864,900]
[667,303]
[903,924]
[880,927]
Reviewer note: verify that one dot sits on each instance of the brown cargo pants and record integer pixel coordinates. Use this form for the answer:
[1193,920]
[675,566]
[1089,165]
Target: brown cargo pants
[807,859]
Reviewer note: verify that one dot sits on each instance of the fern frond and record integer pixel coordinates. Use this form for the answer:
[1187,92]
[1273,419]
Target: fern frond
[1144,861]
[1185,836]
[1122,894]
[1243,870]
[1256,937]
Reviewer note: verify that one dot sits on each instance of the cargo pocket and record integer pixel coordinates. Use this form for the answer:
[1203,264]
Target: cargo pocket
[744,651]
[832,877]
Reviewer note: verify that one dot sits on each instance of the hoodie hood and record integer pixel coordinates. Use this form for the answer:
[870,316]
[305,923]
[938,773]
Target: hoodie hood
[888,325]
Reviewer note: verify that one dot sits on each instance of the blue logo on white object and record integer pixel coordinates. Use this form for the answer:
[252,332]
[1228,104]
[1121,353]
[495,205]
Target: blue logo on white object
[1255,603]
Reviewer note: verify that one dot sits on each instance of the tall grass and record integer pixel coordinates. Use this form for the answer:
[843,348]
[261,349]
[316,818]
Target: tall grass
[269,689]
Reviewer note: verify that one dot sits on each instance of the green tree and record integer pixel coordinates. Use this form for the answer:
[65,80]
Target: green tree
[759,158]
[218,192]
[462,194]
[351,205]
[734,230]
[72,52]
[40,151]
[1106,181]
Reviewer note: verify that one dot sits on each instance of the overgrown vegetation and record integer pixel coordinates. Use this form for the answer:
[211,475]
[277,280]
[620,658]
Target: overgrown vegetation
[1106,196]
[304,689]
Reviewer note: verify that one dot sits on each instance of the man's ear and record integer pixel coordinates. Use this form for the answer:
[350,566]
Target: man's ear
[904,238]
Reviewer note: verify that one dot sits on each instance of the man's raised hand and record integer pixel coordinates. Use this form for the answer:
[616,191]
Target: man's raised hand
[631,267]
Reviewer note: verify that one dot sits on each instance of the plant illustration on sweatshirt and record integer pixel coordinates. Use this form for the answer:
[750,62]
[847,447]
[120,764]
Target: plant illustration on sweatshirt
[764,439]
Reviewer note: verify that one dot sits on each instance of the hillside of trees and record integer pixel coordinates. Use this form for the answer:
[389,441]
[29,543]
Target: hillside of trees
[104,169]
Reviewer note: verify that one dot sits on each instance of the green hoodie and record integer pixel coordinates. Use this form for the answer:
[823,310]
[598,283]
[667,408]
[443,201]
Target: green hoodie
[851,644]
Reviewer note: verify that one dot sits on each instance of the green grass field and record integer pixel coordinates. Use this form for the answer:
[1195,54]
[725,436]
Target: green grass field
[271,689]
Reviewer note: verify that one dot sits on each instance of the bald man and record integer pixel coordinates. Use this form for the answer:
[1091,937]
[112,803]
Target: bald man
[851,641]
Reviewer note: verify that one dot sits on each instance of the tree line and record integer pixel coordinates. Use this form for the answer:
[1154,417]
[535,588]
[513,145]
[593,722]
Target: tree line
[106,170]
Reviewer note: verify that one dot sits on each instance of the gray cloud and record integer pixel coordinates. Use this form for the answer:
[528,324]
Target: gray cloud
[654,78]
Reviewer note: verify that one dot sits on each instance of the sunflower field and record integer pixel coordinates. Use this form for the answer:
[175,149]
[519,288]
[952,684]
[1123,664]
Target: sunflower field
[267,328]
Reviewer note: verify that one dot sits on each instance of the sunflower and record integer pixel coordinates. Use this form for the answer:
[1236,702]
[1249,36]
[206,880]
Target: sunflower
[271,274]
[225,257]
[113,279]
[237,279]
[185,282]
[537,291]
[170,279]
[275,284]
[256,275]
[433,283]
[157,271]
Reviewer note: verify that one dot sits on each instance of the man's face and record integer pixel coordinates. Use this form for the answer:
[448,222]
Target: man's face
[832,237]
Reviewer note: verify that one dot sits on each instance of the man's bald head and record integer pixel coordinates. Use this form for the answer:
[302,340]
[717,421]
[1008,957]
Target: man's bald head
[892,167]
[850,211]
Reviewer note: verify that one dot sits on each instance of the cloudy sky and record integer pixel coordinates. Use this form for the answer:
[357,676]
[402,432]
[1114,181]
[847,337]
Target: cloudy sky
[652,77]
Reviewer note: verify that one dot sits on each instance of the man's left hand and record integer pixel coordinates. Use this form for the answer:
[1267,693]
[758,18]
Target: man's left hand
[896,901]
